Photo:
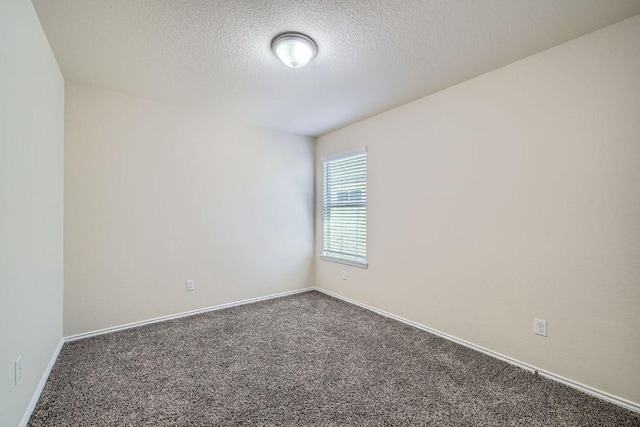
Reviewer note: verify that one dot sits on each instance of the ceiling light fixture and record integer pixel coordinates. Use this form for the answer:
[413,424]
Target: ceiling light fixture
[294,49]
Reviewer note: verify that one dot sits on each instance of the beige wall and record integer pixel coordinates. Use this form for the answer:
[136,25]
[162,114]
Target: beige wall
[512,196]
[31,203]
[156,195]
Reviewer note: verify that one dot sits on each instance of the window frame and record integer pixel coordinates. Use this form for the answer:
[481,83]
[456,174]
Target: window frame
[338,156]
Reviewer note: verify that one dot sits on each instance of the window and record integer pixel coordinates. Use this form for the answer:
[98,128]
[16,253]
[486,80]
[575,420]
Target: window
[344,207]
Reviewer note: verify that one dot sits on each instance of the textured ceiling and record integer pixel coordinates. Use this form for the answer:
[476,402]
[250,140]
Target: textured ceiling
[373,54]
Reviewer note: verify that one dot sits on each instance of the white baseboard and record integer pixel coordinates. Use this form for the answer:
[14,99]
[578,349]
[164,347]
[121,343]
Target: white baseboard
[179,315]
[603,395]
[633,406]
[40,386]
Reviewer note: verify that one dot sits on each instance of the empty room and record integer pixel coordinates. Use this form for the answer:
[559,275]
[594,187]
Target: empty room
[319,213]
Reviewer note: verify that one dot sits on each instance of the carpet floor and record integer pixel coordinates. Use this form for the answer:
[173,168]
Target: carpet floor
[306,359]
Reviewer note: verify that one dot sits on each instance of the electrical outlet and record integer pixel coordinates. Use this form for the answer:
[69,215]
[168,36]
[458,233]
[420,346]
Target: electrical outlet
[540,327]
[191,284]
[344,275]
[18,369]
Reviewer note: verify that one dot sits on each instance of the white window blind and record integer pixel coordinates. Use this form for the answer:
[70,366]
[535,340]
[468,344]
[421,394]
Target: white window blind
[344,207]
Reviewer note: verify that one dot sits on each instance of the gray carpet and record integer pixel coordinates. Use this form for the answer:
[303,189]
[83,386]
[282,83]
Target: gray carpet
[306,359]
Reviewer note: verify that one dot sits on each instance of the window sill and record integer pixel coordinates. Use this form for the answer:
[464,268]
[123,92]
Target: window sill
[345,261]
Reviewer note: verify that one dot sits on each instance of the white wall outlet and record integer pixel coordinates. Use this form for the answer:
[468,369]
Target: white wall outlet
[540,327]
[18,369]
[344,275]
[191,285]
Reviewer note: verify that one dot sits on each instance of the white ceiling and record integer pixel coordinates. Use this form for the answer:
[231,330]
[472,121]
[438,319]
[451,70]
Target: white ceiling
[373,54]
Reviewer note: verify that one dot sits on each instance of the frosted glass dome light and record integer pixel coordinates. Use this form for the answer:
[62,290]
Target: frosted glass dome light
[294,49]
